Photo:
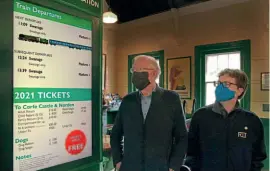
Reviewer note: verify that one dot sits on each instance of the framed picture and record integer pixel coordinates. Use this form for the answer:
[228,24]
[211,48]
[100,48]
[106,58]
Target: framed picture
[179,76]
[104,71]
[265,81]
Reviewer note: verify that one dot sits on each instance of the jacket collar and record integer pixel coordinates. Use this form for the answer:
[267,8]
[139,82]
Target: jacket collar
[156,94]
[140,93]
[218,108]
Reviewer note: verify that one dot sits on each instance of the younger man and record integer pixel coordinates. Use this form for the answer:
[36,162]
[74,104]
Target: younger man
[223,136]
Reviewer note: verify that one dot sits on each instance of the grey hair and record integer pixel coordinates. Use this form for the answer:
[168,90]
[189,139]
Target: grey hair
[153,61]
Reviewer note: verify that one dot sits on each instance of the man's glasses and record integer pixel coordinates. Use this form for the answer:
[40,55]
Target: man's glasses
[141,70]
[224,84]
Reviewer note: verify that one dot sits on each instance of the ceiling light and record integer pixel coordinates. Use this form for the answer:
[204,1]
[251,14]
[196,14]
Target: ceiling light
[109,17]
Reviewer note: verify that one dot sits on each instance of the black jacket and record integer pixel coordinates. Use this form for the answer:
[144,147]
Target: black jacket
[217,142]
[156,144]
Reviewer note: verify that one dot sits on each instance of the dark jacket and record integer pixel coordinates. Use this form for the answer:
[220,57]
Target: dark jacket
[225,142]
[156,144]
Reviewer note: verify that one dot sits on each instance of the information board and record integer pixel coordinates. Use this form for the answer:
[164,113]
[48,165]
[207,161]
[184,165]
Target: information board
[52,118]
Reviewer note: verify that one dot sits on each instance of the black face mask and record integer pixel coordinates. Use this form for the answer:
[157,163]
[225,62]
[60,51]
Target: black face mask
[140,80]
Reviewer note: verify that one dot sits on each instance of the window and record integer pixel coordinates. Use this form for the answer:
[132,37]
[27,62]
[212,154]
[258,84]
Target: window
[210,59]
[214,63]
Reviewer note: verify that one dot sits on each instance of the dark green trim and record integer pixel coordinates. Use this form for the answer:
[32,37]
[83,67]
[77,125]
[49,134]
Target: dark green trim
[242,46]
[6,88]
[87,167]
[188,116]
[167,79]
[157,55]
[79,5]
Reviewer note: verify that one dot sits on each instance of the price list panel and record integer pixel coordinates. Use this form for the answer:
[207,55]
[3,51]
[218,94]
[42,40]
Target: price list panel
[52,87]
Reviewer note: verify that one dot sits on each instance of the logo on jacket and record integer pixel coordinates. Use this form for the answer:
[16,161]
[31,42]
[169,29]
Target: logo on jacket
[242,134]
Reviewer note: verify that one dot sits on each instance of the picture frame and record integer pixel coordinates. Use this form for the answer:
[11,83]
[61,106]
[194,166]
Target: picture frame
[265,81]
[179,76]
[104,60]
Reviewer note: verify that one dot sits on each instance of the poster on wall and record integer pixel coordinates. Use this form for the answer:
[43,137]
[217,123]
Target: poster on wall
[179,76]
[265,78]
[52,88]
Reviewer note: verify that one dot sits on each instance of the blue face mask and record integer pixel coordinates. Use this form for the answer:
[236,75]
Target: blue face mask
[224,93]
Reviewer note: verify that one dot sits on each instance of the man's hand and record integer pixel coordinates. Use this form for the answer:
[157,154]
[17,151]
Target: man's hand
[118,165]
[171,170]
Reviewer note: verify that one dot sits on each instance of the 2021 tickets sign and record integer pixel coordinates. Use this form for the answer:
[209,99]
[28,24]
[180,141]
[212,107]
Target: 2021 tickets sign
[52,87]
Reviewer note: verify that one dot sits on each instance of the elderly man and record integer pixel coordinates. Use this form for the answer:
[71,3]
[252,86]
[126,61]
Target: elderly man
[223,136]
[152,123]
